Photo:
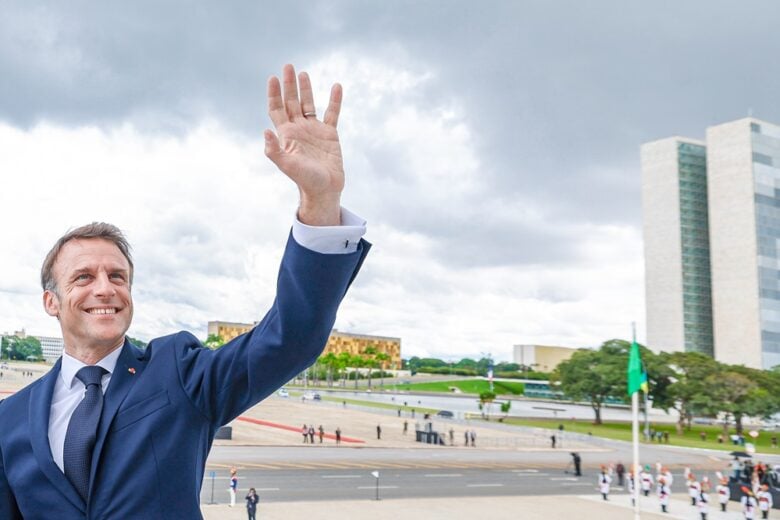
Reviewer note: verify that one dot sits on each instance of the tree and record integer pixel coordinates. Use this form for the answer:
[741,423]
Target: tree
[369,361]
[137,342]
[27,348]
[740,392]
[485,398]
[330,361]
[689,384]
[595,375]
[214,341]
[381,357]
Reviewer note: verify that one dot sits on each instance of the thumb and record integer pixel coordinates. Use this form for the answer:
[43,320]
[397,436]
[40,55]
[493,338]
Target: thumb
[272,148]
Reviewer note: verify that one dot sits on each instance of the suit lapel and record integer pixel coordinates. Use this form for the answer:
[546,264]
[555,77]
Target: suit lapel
[127,371]
[40,404]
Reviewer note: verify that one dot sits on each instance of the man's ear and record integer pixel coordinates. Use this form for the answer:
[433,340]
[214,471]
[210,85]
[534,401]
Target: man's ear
[51,303]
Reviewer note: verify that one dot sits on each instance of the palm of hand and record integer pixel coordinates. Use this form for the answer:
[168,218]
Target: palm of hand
[311,155]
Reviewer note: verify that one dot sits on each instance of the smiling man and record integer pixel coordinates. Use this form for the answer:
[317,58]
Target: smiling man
[116,432]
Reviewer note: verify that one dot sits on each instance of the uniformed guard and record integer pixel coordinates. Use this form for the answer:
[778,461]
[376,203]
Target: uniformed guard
[724,493]
[765,502]
[604,481]
[663,494]
[749,503]
[646,480]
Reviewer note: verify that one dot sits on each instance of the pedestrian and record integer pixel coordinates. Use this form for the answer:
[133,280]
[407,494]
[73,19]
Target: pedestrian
[378,432]
[724,493]
[694,488]
[321,433]
[774,441]
[251,503]
[311,433]
[233,486]
[765,501]
[406,426]
[575,457]
[604,481]
[620,470]
[552,440]
[399,412]
[749,503]
[663,494]
[412,413]
[646,481]
[466,438]
[305,433]
[736,468]
[473,435]
[703,436]
[666,437]
[338,435]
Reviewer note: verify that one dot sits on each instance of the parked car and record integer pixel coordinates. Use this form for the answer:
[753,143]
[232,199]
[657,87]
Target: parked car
[314,396]
[283,392]
[445,414]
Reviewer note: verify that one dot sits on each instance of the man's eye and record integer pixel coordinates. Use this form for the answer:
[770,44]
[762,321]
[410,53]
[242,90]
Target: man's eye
[118,276]
[82,277]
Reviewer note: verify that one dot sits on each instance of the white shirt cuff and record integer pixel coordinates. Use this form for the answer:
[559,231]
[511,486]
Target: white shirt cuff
[331,239]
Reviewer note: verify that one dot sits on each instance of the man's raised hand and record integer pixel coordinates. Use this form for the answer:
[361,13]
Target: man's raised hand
[306,149]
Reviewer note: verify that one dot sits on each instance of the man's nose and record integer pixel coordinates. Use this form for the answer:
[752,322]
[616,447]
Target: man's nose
[103,286]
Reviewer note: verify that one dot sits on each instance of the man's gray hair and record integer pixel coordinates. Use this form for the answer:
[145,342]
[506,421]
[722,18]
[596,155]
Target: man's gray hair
[94,230]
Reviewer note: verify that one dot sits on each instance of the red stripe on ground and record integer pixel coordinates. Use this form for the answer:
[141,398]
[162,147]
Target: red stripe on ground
[294,429]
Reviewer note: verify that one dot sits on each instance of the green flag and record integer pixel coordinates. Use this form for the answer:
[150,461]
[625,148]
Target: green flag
[637,377]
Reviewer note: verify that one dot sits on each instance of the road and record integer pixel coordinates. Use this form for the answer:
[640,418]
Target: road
[338,473]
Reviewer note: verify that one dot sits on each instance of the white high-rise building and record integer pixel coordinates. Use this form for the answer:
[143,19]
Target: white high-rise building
[712,243]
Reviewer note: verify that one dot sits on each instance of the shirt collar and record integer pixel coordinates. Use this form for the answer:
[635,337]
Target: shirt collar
[71,365]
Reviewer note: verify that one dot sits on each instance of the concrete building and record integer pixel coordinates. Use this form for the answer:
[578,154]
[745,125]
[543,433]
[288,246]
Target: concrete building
[711,225]
[338,342]
[676,233]
[540,357]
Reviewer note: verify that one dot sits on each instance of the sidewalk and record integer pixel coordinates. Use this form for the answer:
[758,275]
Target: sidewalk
[495,508]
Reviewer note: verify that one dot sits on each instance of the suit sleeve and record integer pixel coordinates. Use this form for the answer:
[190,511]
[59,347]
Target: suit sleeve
[225,382]
[9,510]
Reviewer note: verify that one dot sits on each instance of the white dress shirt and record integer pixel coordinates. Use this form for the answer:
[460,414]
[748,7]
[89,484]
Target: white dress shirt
[69,391]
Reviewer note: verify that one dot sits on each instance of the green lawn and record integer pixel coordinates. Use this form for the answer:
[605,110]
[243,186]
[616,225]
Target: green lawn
[622,431]
[372,404]
[467,386]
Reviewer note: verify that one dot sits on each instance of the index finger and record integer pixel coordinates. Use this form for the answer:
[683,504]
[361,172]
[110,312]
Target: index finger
[275,105]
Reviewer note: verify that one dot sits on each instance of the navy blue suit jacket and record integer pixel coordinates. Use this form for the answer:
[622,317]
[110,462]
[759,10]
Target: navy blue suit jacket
[164,405]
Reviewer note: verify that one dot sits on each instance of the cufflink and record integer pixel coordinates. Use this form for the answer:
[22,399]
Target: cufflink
[131,370]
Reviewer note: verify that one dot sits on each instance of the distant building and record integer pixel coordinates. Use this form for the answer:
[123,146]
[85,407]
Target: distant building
[711,212]
[51,347]
[541,358]
[338,342]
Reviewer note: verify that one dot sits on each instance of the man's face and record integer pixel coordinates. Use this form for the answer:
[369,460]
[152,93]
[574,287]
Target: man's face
[93,301]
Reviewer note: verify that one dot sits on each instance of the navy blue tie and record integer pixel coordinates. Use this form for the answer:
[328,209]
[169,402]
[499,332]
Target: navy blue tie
[82,430]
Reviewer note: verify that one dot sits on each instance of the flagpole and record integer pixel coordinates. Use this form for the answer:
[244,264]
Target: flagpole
[635,435]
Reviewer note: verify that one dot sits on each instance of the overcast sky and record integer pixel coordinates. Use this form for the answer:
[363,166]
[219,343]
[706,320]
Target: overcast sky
[493,148]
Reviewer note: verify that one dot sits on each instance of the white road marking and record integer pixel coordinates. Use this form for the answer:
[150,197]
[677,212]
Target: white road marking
[341,476]
[525,471]
[431,475]
[267,489]
[380,487]
[484,485]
